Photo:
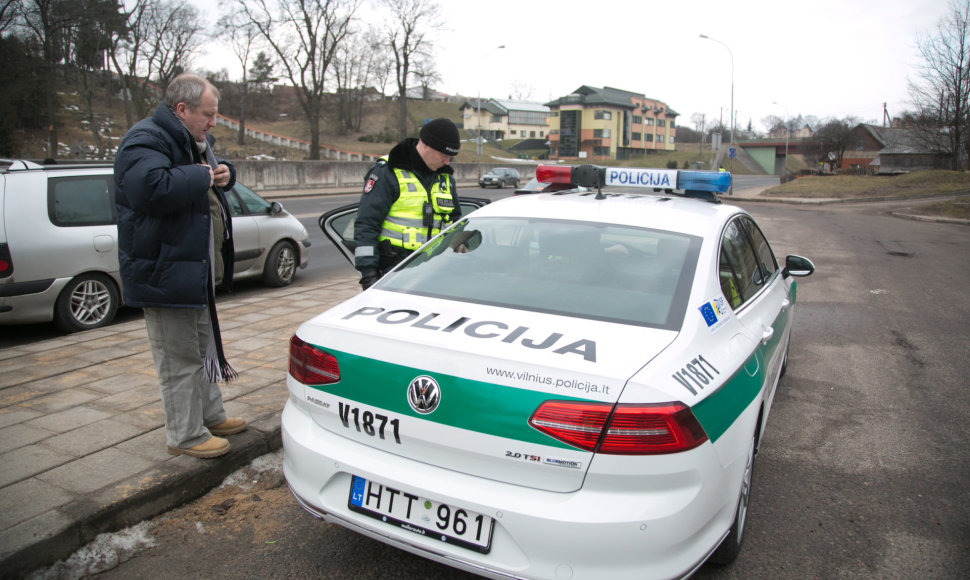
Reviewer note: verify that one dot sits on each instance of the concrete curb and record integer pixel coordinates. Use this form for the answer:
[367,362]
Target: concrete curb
[929,218]
[142,496]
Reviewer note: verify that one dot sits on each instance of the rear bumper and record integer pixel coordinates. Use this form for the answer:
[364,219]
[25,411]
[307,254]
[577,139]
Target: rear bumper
[29,302]
[650,531]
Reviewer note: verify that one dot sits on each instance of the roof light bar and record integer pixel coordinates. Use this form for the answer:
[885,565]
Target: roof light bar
[594,176]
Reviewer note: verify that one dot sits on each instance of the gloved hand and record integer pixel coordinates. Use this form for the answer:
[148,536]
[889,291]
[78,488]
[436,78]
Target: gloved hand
[368,278]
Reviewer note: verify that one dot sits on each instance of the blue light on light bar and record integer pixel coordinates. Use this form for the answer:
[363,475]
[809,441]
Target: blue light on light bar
[712,181]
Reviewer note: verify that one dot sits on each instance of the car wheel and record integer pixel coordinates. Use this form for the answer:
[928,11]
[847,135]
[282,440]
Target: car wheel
[730,547]
[88,301]
[280,267]
[501,184]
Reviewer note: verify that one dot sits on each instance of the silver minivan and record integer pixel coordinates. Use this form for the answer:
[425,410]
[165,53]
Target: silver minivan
[59,251]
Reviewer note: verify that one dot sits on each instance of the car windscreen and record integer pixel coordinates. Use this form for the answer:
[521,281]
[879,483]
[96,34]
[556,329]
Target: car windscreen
[248,201]
[589,270]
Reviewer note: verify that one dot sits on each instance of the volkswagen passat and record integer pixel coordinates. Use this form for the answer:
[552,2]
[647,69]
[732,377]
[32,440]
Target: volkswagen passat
[561,385]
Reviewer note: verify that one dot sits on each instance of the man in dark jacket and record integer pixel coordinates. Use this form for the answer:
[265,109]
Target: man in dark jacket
[408,198]
[174,247]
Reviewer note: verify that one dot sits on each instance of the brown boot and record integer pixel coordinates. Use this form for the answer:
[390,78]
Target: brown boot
[230,426]
[214,447]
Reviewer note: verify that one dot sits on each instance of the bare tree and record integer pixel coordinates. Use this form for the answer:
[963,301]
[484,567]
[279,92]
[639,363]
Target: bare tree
[305,35]
[8,13]
[125,54]
[94,25]
[406,33]
[772,123]
[383,65]
[48,21]
[425,75]
[521,91]
[242,37]
[175,32]
[354,68]
[833,137]
[700,124]
[942,95]
[159,40]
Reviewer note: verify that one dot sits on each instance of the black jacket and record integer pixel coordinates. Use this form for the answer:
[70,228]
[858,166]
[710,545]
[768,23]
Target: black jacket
[163,215]
[381,190]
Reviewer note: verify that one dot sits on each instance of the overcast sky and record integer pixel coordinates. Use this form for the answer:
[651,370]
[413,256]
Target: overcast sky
[828,58]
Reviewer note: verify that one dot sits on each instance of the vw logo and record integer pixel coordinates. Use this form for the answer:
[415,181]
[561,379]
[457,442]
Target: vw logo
[424,394]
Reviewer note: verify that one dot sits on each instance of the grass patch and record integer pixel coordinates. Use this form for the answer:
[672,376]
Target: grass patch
[952,208]
[860,187]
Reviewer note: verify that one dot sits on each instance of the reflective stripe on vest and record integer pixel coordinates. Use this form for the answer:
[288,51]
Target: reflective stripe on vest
[404,225]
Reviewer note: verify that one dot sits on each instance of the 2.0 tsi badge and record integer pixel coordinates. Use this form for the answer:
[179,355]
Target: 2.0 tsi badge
[424,395]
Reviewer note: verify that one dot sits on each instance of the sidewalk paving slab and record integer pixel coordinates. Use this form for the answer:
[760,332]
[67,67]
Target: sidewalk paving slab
[82,439]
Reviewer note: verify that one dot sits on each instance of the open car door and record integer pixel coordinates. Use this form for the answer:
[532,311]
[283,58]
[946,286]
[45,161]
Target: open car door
[338,224]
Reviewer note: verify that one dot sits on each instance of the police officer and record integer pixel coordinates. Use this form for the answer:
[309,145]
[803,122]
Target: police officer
[409,196]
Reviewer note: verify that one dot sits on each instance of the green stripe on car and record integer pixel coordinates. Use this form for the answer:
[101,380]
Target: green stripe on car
[479,406]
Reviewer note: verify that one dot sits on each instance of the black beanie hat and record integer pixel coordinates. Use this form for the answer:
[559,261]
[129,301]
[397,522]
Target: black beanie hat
[442,136]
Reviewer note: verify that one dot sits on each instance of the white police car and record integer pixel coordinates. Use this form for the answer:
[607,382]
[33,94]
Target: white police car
[562,385]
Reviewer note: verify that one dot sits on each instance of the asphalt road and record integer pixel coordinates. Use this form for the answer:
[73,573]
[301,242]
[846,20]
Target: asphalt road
[862,471]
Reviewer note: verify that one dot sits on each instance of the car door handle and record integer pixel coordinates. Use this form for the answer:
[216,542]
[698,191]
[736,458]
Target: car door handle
[766,334]
[785,304]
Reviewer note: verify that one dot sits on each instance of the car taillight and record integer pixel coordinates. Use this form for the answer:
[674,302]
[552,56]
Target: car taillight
[310,365]
[620,430]
[6,264]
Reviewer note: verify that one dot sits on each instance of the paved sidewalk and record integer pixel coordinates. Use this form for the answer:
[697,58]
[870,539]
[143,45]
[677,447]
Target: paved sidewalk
[82,443]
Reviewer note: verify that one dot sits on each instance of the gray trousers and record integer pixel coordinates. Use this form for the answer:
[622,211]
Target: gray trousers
[178,337]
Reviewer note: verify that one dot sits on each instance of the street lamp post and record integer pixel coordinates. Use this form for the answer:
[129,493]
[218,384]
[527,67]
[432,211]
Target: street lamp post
[787,133]
[732,80]
[478,136]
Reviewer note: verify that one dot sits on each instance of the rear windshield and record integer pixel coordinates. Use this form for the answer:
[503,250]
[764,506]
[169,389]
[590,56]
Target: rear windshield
[589,270]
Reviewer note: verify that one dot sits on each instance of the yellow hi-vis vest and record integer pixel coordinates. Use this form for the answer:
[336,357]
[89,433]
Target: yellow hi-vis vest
[404,225]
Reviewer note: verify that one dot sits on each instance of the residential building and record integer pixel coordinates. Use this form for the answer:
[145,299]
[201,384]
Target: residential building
[499,119]
[607,123]
[887,150]
[804,132]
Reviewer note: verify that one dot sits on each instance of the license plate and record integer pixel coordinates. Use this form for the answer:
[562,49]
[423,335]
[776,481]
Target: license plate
[426,517]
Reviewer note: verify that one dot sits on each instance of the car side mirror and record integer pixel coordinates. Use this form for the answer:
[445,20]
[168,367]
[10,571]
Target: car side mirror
[797,266]
[275,208]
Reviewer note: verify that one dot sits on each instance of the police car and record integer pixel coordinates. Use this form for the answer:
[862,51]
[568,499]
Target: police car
[561,385]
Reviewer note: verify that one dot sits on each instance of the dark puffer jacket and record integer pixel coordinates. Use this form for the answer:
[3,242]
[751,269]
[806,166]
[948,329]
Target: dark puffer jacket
[163,215]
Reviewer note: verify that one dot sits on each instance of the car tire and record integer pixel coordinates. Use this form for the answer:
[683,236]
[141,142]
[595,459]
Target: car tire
[730,547]
[280,267]
[501,184]
[88,301]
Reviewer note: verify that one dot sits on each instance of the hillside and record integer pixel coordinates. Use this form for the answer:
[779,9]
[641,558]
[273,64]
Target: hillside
[272,115]
[77,141]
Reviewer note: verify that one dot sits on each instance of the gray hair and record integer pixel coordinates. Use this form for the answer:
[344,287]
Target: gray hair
[188,88]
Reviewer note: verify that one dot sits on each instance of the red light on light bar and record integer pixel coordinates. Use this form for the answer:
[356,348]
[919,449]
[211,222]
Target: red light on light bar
[554,174]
